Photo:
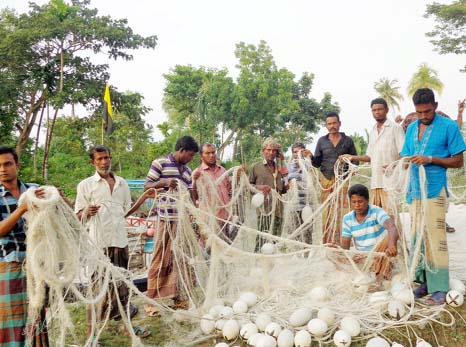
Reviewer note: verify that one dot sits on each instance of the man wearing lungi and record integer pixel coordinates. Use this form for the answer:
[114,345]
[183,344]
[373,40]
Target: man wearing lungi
[433,144]
[103,201]
[329,148]
[173,175]
[14,331]
[385,143]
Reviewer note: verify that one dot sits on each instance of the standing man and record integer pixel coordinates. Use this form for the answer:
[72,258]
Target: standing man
[329,148]
[385,143]
[217,188]
[459,120]
[433,144]
[103,201]
[172,174]
[13,289]
[266,176]
[297,175]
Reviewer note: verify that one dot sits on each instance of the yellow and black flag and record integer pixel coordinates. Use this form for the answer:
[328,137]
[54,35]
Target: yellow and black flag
[108,114]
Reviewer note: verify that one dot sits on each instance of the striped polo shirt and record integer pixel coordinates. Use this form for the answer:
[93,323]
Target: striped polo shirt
[13,244]
[367,233]
[169,168]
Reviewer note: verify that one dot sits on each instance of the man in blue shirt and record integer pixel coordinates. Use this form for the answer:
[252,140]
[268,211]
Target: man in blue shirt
[433,144]
[371,228]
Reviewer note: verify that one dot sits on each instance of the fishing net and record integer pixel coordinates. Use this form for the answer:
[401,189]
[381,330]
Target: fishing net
[248,261]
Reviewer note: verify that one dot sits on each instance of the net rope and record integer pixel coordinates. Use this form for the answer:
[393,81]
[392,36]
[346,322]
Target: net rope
[231,259]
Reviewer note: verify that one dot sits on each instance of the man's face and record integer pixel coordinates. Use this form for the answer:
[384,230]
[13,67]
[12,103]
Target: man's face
[208,155]
[359,204]
[333,125]
[269,152]
[185,156]
[102,162]
[426,112]
[296,151]
[8,168]
[379,112]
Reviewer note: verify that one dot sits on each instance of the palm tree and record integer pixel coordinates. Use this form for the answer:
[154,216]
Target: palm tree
[425,77]
[388,90]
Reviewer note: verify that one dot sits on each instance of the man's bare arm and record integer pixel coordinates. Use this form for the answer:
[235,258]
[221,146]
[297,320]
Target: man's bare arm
[454,162]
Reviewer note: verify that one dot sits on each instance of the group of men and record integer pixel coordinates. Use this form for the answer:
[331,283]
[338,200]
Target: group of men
[432,142]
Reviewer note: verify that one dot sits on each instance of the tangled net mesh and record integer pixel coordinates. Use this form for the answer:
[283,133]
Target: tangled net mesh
[223,251]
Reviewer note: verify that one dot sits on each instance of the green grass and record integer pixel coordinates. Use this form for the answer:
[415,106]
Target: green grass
[163,333]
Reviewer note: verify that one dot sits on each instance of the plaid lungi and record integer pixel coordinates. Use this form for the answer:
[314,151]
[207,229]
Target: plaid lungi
[13,310]
[162,279]
[118,257]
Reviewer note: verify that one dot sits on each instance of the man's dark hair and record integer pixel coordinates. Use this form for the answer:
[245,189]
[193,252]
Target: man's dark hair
[206,144]
[98,148]
[424,96]
[332,114]
[379,101]
[358,189]
[297,145]
[187,143]
[9,150]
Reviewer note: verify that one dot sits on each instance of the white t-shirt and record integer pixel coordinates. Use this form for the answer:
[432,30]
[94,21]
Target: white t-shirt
[384,148]
[108,227]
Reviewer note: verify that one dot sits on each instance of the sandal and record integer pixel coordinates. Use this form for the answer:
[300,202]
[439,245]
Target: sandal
[180,305]
[152,311]
[421,291]
[141,332]
[449,228]
[438,298]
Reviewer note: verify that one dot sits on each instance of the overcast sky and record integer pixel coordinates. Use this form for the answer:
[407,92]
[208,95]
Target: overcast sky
[348,45]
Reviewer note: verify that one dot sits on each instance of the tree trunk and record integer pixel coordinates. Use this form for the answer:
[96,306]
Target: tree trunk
[235,148]
[48,142]
[29,121]
[36,144]
[48,139]
[225,143]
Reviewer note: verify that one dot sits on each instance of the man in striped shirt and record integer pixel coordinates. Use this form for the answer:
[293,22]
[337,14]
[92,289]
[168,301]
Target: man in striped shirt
[371,228]
[173,175]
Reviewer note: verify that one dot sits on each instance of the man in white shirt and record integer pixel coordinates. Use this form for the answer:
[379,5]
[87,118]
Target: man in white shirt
[385,143]
[103,201]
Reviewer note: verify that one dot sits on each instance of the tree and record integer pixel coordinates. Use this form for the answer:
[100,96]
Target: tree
[46,59]
[130,143]
[360,142]
[263,101]
[388,90]
[425,77]
[198,99]
[449,34]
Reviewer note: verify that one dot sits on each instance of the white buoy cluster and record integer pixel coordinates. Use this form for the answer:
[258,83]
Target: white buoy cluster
[307,324]
[302,327]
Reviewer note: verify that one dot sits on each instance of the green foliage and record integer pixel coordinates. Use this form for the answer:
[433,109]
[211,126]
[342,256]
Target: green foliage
[449,34]
[46,57]
[425,77]
[130,145]
[388,90]
[360,142]
[263,101]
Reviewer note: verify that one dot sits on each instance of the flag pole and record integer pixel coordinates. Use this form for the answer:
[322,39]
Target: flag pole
[102,131]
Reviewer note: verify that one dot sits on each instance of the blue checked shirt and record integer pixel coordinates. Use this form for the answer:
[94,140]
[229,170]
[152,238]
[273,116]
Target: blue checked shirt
[13,244]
